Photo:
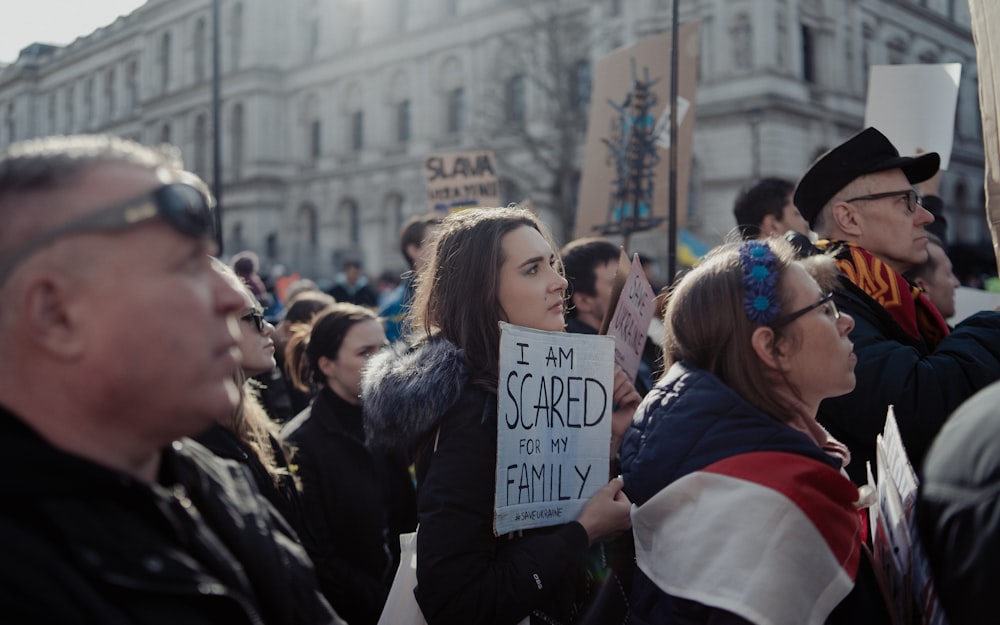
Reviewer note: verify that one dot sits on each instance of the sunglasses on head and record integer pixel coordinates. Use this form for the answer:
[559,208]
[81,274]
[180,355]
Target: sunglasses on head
[255,317]
[182,206]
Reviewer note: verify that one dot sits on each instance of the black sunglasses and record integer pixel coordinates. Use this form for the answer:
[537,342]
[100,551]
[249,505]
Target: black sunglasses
[256,318]
[912,198]
[792,316]
[184,207]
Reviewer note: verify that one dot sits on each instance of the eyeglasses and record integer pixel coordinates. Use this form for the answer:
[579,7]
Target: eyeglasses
[255,317]
[182,206]
[912,199]
[790,317]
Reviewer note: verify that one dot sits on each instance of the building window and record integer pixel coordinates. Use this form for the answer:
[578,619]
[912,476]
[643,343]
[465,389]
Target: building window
[52,113]
[808,55]
[165,133]
[10,123]
[88,101]
[357,130]
[309,217]
[110,102]
[164,59]
[403,121]
[315,139]
[236,35]
[514,99]
[579,86]
[897,51]
[236,130]
[452,8]
[132,85]
[312,37]
[615,8]
[199,49]
[200,145]
[69,104]
[350,213]
[402,14]
[456,110]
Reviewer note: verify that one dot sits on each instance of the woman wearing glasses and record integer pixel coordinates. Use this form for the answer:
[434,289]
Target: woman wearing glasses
[247,435]
[744,513]
[356,502]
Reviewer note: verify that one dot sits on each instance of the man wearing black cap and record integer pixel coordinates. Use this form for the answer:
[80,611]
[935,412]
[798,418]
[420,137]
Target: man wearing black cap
[859,199]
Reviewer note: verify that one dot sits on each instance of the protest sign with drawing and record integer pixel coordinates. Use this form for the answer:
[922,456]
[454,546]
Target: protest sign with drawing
[553,425]
[461,180]
[634,304]
[924,123]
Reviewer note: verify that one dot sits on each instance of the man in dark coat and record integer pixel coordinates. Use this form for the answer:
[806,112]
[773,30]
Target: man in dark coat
[859,199]
[109,515]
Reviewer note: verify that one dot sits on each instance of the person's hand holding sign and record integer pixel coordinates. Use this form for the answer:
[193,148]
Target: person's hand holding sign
[606,514]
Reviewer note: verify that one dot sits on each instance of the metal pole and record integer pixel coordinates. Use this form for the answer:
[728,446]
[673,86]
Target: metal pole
[217,120]
[672,215]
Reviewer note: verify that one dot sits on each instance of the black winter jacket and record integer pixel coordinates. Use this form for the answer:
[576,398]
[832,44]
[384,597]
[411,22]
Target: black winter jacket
[86,544]
[464,573]
[355,504]
[924,385]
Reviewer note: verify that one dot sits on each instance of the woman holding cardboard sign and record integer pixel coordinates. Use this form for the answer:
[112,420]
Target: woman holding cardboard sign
[439,398]
[744,513]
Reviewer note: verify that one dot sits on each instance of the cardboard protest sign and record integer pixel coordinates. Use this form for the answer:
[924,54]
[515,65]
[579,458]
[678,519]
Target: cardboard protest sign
[624,185]
[986,34]
[634,303]
[461,180]
[926,122]
[553,425]
[895,546]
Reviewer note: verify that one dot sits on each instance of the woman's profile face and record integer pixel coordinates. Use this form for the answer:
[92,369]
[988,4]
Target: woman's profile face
[256,345]
[343,375]
[530,290]
[821,361]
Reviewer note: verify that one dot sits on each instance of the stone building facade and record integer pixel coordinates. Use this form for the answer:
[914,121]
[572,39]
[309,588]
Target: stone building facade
[329,106]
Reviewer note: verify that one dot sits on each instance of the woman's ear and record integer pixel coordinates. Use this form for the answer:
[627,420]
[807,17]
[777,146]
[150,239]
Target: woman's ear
[764,344]
[327,366]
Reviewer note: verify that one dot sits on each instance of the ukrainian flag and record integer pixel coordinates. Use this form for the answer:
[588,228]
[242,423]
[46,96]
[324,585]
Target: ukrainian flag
[689,249]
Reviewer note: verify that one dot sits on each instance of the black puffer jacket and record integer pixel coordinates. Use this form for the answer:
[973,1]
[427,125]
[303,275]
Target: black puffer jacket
[958,510]
[85,544]
[465,574]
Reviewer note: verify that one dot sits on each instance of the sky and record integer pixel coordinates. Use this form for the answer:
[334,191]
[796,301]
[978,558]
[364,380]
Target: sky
[23,22]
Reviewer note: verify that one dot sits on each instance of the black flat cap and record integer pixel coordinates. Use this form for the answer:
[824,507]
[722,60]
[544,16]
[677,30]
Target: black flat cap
[867,152]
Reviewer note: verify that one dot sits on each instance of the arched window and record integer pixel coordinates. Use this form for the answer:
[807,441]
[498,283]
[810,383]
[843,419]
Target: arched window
[393,212]
[350,216]
[308,222]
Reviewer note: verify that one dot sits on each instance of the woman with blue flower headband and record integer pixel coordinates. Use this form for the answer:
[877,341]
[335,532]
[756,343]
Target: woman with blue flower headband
[743,512]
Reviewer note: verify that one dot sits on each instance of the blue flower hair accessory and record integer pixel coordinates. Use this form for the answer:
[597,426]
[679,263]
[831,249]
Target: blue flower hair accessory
[760,279]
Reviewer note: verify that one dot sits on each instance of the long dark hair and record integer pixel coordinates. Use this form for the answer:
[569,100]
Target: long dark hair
[456,296]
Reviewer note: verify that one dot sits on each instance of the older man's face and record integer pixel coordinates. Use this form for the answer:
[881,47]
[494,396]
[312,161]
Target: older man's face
[888,229]
[157,320]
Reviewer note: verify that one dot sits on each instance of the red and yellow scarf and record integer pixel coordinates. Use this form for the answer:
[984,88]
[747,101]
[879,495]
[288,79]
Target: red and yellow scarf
[905,302]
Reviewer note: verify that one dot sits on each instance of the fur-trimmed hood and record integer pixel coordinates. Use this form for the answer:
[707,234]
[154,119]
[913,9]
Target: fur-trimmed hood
[406,390]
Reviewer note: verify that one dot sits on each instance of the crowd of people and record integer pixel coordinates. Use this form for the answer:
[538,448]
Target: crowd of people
[183,445]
